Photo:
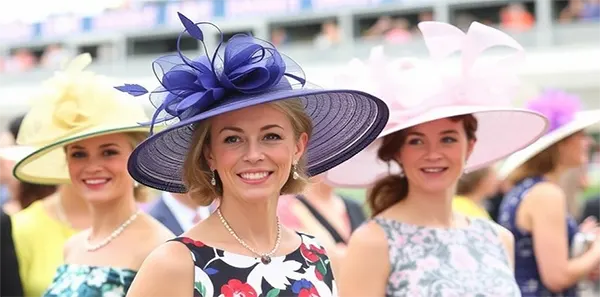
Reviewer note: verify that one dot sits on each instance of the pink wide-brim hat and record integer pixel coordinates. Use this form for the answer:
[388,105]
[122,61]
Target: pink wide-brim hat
[418,94]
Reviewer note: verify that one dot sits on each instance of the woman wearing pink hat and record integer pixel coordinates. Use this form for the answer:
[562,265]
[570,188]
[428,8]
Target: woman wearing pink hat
[416,245]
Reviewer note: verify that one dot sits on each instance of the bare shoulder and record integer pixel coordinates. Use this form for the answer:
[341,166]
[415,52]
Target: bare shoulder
[369,237]
[504,234]
[546,192]
[167,271]
[74,242]
[150,236]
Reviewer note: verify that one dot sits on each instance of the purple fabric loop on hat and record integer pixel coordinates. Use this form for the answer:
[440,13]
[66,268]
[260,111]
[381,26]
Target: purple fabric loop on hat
[246,65]
[558,106]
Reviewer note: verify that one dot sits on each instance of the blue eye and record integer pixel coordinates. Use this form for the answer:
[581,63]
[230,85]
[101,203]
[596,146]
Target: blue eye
[448,140]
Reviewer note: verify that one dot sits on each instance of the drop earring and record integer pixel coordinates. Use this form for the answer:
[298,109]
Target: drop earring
[295,174]
[401,173]
[213,180]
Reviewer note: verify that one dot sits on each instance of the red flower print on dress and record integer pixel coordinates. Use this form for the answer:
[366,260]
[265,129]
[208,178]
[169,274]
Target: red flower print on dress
[235,288]
[315,256]
[196,243]
[312,254]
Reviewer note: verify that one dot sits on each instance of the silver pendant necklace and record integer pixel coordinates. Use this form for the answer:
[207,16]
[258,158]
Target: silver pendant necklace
[264,258]
[90,248]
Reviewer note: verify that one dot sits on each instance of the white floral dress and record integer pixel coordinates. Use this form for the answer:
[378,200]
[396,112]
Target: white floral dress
[306,272]
[447,262]
[72,280]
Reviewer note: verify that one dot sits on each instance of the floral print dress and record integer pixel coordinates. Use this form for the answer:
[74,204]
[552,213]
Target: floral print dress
[447,262]
[306,272]
[72,280]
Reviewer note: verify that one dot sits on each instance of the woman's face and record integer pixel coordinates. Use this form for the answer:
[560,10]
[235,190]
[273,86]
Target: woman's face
[433,155]
[574,150]
[98,167]
[253,150]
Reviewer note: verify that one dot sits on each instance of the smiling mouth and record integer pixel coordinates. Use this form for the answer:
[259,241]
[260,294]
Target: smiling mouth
[255,176]
[434,169]
[96,181]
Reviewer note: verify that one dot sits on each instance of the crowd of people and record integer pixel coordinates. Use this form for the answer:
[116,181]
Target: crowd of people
[245,155]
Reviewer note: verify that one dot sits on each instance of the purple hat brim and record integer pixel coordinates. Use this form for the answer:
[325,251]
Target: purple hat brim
[344,123]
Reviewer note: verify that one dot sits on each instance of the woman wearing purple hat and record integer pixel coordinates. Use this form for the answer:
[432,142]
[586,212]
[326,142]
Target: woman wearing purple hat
[441,125]
[248,129]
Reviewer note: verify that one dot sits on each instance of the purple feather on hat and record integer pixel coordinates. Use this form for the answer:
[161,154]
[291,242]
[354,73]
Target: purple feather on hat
[188,87]
[558,106]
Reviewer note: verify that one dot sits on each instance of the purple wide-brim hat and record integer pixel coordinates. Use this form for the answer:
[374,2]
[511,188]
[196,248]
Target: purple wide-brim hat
[246,73]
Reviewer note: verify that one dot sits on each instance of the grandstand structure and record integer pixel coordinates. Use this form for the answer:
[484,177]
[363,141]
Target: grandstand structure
[321,35]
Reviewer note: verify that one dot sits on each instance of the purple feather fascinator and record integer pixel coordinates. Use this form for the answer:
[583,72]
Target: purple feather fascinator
[558,106]
[244,66]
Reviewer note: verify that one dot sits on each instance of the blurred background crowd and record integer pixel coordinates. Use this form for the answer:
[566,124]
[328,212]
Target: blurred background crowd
[562,38]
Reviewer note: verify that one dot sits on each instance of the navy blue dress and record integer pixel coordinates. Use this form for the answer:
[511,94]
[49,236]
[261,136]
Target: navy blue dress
[526,270]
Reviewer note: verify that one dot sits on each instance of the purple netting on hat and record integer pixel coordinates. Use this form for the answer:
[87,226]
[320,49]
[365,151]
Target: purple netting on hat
[246,72]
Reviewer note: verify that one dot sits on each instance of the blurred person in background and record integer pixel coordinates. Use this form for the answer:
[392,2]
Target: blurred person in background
[321,212]
[20,194]
[399,32]
[515,17]
[86,132]
[472,190]
[536,208]
[416,244]
[329,36]
[178,212]
[10,279]
[52,220]
[6,140]
[53,56]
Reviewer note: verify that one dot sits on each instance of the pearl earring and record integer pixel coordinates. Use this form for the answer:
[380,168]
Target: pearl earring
[401,173]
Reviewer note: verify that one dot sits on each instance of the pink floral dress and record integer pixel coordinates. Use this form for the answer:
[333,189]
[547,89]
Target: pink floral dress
[440,262]
[306,272]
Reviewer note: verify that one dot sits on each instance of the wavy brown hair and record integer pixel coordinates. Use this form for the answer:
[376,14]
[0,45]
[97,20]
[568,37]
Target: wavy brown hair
[394,188]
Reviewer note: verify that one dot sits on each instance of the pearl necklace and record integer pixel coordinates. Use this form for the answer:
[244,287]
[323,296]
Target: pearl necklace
[264,258]
[90,248]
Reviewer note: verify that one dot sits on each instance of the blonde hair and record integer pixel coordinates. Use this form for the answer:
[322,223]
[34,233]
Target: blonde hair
[141,193]
[197,174]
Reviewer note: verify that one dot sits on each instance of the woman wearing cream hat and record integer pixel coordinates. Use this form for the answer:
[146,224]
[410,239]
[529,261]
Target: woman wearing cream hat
[535,209]
[85,134]
[51,220]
